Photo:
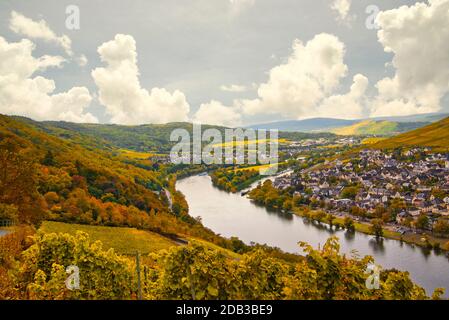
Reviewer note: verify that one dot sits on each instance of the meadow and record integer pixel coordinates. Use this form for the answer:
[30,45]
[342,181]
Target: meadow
[123,240]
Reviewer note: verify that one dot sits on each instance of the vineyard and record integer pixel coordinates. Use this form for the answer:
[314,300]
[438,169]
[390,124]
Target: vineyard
[34,267]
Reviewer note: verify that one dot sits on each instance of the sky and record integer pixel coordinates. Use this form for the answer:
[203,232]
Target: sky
[224,62]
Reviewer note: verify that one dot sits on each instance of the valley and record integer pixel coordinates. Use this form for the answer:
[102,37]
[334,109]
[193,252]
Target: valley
[83,184]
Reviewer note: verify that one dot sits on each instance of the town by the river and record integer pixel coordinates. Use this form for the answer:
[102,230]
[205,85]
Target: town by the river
[230,214]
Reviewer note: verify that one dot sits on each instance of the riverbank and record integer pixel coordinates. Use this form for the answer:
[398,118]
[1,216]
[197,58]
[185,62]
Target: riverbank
[232,215]
[432,242]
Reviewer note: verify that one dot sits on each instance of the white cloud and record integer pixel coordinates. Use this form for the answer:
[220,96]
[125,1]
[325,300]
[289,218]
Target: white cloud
[349,105]
[38,30]
[23,94]
[342,8]
[418,36]
[233,88]
[215,113]
[121,93]
[82,60]
[297,88]
[50,61]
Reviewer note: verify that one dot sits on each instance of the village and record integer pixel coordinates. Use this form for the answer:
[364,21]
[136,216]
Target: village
[400,187]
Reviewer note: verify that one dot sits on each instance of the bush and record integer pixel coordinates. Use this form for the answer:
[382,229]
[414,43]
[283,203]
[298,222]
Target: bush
[9,212]
[103,274]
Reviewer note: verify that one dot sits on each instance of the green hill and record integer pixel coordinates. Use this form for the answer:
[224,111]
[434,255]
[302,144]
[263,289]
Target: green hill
[435,135]
[148,137]
[376,127]
[44,176]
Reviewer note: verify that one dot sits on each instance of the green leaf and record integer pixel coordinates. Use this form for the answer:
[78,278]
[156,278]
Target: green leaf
[212,291]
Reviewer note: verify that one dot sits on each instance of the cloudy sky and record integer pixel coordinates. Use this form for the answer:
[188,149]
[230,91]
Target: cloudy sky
[228,62]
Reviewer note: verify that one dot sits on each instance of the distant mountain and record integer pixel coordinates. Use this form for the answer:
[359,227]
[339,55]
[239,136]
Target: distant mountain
[377,126]
[434,135]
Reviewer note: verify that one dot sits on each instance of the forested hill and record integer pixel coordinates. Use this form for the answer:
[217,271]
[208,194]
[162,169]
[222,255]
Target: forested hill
[148,137]
[142,138]
[45,177]
[435,135]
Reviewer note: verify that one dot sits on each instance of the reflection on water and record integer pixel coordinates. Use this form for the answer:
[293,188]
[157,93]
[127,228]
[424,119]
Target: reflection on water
[234,215]
[377,245]
[349,236]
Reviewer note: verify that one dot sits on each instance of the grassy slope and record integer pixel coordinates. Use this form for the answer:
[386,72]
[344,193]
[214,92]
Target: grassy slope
[367,127]
[378,127]
[123,240]
[434,135]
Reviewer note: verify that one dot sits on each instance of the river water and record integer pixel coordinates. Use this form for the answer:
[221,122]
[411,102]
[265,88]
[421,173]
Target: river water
[233,215]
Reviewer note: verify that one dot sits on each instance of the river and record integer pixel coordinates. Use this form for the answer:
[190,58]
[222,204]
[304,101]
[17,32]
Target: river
[233,215]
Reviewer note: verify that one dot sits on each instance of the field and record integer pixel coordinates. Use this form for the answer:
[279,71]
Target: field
[367,127]
[136,155]
[124,240]
[372,140]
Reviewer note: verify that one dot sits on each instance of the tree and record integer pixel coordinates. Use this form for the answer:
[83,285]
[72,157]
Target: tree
[18,182]
[349,224]
[48,159]
[422,222]
[376,228]
[349,193]
[441,227]
[397,205]
[320,215]
[330,219]
[357,211]
[439,194]
[8,212]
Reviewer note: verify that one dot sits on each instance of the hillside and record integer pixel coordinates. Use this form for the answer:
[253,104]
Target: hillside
[375,127]
[123,240]
[378,125]
[148,137]
[45,177]
[434,135]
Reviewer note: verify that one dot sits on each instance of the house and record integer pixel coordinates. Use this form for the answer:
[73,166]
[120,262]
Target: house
[389,186]
[325,185]
[444,213]
[397,195]
[414,212]
[418,202]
